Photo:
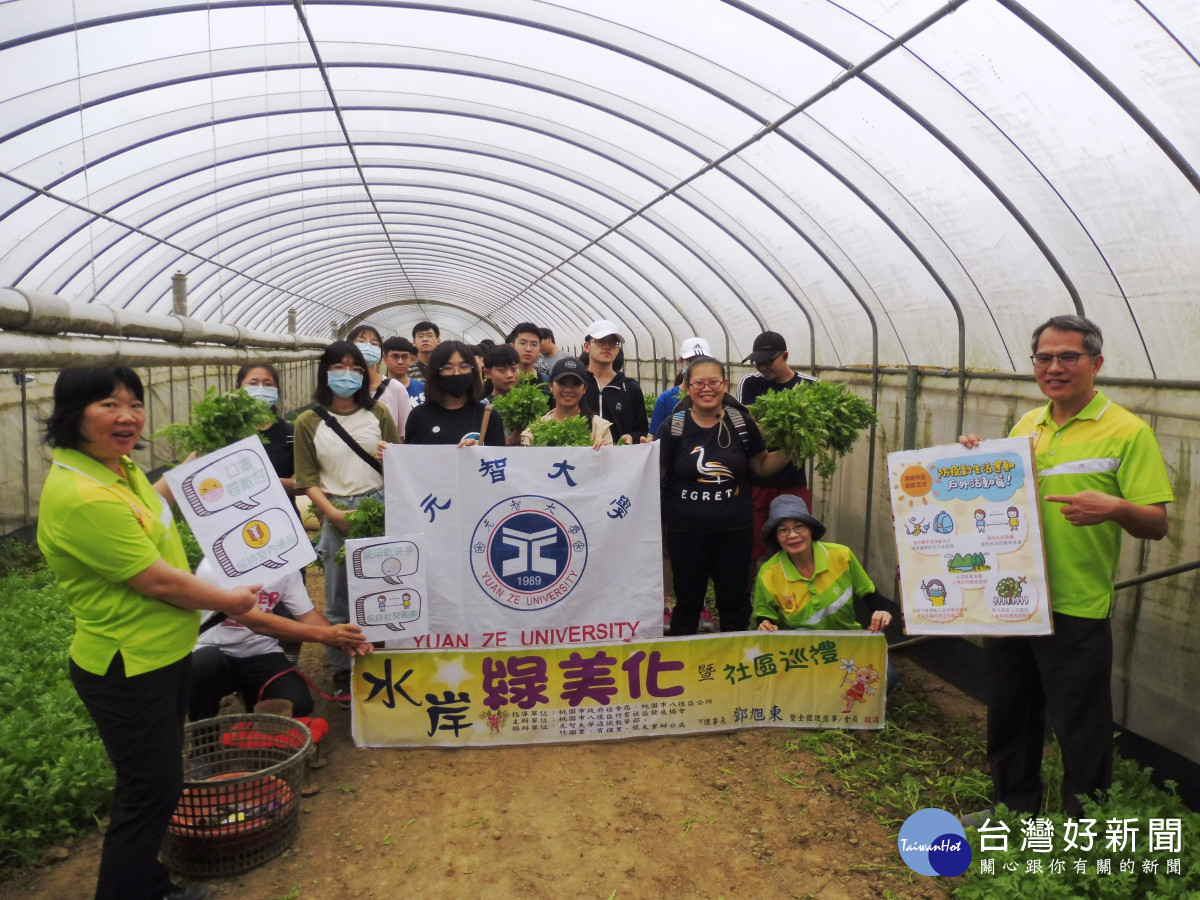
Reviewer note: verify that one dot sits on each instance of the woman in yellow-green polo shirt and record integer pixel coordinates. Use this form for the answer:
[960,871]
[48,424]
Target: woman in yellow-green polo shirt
[109,538]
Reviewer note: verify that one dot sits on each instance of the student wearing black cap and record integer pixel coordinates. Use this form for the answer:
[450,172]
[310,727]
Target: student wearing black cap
[567,385]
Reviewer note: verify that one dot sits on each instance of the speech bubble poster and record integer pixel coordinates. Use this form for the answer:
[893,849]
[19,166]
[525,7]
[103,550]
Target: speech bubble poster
[386,578]
[969,539]
[242,517]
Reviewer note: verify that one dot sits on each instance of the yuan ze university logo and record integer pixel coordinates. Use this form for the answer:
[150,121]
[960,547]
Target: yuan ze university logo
[933,842]
[528,552]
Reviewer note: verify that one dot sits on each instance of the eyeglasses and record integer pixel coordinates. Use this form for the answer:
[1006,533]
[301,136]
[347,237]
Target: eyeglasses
[789,530]
[1066,360]
[607,342]
[355,369]
[712,384]
[460,369]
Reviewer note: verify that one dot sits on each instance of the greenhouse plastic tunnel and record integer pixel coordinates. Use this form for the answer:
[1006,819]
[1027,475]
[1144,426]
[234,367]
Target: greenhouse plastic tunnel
[902,189]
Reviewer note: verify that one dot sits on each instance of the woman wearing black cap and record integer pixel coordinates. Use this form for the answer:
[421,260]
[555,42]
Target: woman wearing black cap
[568,387]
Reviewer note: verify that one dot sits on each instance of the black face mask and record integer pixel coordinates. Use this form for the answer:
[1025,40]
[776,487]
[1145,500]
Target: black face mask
[457,385]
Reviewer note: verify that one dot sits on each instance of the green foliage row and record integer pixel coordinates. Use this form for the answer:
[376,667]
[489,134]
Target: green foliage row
[217,421]
[1133,796]
[820,419]
[54,774]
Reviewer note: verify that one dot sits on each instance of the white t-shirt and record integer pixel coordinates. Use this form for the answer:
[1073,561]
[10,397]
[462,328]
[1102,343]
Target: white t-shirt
[396,401]
[235,638]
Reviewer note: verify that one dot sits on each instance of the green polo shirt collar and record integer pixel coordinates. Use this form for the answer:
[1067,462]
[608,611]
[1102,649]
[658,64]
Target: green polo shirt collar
[820,563]
[1094,409]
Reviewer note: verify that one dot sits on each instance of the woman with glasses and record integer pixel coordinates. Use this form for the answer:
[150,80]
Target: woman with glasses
[809,583]
[711,446]
[386,390]
[452,412]
[261,381]
[335,465]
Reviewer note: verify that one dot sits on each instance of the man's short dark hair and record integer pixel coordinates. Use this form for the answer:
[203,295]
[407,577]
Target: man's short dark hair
[501,356]
[548,335]
[426,326]
[76,390]
[1093,338]
[524,328]
[397,343]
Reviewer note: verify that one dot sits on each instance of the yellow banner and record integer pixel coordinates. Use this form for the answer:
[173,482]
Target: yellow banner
[492,697]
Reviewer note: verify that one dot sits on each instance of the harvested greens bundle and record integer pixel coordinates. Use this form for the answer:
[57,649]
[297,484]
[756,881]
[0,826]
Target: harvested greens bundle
[572,432]
[217,421]
[522,406]
[365,521]
[820,419]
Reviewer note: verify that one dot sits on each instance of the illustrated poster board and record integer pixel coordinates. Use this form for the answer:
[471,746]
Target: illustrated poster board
[526,546]
[603,692]
[241,515]
[969,539]
[386,581]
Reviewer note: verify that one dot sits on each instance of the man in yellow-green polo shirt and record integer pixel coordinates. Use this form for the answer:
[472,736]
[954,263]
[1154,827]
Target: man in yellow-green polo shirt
[1100,473]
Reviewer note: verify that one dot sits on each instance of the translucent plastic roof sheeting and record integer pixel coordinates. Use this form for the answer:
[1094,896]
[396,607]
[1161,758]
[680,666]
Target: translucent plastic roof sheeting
[868,178]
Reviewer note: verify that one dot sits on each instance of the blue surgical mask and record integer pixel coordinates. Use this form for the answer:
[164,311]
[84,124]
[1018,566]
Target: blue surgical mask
[263,392]
[370,352]
[345,384]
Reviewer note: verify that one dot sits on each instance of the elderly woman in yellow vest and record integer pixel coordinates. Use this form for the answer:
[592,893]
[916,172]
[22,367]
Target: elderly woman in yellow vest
[809,583]
[110,539]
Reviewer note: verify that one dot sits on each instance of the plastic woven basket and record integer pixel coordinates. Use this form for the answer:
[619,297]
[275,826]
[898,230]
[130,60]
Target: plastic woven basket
[241,794]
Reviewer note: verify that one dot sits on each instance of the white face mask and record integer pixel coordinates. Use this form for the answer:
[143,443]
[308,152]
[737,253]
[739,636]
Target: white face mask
[265,393]
[370,352]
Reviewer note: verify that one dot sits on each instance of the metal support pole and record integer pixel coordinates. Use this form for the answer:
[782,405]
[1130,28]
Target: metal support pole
[179,294]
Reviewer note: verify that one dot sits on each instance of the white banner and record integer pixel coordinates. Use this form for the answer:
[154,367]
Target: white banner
[531,546]
[243,519]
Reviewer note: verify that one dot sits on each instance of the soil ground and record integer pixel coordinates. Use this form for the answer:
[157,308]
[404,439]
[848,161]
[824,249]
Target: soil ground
[704,816]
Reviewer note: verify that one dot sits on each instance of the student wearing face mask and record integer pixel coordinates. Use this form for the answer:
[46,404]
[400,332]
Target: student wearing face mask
[384,389]
[336,466]
[261,381]
[452,412]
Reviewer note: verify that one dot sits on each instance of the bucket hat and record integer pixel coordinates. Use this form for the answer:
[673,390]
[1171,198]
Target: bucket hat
[789,506]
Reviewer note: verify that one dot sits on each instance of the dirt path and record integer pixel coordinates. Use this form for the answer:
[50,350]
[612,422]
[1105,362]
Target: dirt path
[704,816]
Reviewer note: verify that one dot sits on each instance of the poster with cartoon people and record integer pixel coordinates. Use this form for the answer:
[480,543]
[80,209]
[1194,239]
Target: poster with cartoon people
[242,517]
[387,587]
[969,540]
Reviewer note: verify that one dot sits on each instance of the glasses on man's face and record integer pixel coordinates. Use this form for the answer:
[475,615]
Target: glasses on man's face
[527,344]
[452,369]
[789,530]
[607,343]
[711,384]
[1066,360]
[355,369]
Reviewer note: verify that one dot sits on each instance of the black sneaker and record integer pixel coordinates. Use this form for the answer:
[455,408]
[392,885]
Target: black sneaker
[187,892]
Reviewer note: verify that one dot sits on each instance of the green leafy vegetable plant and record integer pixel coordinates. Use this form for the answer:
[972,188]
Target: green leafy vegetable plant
[650,400]
[54,774]
[572,432]
[365,521]
[522,406]
[820,419]
[217,421]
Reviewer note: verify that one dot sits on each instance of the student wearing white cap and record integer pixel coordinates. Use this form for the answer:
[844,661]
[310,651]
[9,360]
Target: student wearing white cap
[688,350]
[611,394]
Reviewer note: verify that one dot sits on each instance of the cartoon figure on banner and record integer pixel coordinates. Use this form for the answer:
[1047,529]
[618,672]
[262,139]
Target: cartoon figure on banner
[980,520]
[389,561]
[862,680]
[263,541]
[1013,518]
[935,592]
[528,552]
[229,482]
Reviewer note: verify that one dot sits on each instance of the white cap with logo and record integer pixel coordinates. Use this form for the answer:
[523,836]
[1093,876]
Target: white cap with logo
[693,347]
[604,328]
